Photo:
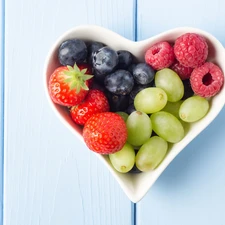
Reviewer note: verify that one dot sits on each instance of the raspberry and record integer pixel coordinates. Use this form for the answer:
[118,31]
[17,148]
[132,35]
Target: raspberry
[160,55]
[207,80]
[183,71]
[191,50]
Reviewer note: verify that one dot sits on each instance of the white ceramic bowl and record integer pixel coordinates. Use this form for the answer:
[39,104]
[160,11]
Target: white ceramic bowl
[136,185]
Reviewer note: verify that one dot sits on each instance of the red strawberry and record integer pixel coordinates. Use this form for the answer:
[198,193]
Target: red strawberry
[68,85]
[105,133]
[89,71]
[95,102]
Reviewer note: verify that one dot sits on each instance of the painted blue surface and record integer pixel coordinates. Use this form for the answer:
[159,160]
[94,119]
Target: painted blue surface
[2,50]
[53,182]
[50,177]
[192,189]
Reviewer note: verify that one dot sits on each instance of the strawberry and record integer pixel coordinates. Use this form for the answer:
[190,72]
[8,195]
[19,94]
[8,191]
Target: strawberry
[83,66]
[105,133]
[68,86]
[95,102]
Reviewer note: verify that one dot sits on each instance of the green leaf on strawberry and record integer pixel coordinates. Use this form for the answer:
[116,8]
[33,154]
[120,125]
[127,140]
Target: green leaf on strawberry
[76,78]
[69,85]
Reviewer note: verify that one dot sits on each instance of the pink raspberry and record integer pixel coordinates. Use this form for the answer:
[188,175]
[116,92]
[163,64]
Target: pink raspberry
[207,80]
[183,71]
[191,50]
[160,55]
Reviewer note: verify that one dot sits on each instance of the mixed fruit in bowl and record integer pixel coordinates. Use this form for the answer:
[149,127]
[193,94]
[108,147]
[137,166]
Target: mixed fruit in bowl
[129,109]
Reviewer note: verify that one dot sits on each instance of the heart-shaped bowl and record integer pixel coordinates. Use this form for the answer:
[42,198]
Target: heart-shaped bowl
[136,185]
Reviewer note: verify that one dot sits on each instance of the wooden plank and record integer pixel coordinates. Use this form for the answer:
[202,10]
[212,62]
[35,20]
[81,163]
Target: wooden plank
[50,177]
[2,15]
[159,16]
[192,189]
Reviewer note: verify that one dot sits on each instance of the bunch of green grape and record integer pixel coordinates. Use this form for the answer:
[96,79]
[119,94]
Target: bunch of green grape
[159,119]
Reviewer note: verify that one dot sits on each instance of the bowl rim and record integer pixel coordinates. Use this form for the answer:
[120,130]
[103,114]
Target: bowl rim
[132,195]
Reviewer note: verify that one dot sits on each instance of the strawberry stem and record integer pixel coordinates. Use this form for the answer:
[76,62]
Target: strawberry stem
[77,78]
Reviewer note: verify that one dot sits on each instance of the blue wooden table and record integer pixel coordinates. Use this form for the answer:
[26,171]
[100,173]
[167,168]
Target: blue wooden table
[47,177]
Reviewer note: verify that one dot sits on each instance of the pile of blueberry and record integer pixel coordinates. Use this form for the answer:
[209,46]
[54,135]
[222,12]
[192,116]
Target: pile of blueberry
[117,73]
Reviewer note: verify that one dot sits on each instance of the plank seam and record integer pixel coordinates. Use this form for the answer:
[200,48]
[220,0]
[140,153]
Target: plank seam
[134,213]
[135,20]
[135,3]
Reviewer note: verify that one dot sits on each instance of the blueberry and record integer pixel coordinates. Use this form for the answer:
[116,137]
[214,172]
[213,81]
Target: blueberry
[153,84]
[188,92]
[99,77]
[130,109]
[105,60]
[143,73]
[137,88]
[92,48]
[117,102]
[97,85]
[72,51]
[119,82]
[131,68]
[125,59]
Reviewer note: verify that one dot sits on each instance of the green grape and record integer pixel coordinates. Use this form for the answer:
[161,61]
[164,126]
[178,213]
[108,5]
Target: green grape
[167,126]
[193,109]
[123,115]
[123,160]
[171,83]
[139,128]
[150,100]
[151,153]
[173,108]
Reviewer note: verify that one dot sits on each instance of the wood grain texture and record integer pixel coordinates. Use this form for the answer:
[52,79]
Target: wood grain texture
[192,189]
[50,177]
[2,14]
[158,16]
